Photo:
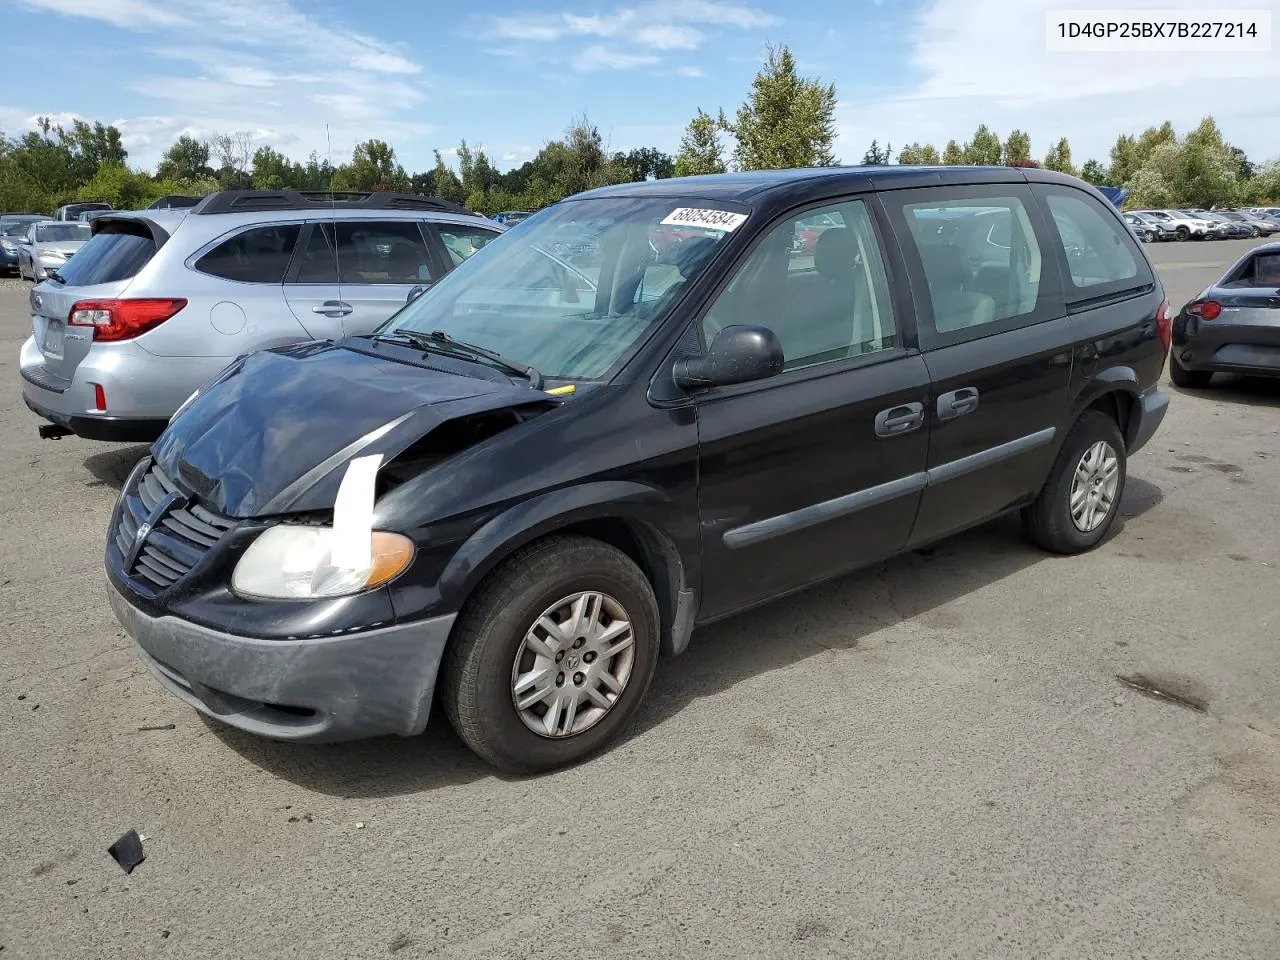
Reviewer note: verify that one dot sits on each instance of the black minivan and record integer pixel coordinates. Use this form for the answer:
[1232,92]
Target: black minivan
[652,406]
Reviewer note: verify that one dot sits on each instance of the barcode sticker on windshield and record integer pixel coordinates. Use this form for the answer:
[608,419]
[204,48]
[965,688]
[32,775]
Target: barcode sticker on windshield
[708,219]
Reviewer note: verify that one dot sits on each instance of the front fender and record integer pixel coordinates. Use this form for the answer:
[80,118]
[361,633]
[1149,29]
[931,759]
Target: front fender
[555,510]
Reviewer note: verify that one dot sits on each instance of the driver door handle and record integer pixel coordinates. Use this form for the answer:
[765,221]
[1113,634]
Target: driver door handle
[957,403]
[333,308]
[899,420]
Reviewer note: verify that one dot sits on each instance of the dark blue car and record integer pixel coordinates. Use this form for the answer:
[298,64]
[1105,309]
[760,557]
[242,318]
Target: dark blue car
[13,226]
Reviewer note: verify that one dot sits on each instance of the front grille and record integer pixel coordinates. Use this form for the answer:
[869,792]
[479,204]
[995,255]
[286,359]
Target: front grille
[179,537]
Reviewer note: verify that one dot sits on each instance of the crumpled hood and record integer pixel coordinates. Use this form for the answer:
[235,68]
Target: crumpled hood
[276,429]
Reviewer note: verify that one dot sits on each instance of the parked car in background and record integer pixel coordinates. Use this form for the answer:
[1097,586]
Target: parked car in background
[1184,227]
[1233,326]
[1272,220]
[173,202]
[1257,226]
[13,226]
[1164,230]
[509,218]
[1223,227]
[1266,213]
[88,216]
[1144,230]
[161,300]
[72,211]
[516,505]
[47,246]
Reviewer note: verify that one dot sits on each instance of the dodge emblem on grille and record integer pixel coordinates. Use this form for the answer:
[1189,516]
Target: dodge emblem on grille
[167,503]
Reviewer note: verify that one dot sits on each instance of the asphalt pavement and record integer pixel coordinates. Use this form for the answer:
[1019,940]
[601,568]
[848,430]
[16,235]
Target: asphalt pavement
[932,758]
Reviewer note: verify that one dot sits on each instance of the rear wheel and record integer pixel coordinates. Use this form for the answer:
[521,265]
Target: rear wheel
[1182,377]
[552,656]
[1080,500]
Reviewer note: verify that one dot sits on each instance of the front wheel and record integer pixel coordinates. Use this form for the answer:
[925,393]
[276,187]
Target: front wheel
[1183,233]
[1081,498]
[552,655]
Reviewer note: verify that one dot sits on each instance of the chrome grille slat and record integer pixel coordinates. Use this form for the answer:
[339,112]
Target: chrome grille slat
[180,539]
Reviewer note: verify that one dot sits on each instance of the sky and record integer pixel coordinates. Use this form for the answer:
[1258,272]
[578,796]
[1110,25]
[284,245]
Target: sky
[510,75]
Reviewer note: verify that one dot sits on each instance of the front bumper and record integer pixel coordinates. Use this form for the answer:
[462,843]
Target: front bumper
[348,687]
[1150,411]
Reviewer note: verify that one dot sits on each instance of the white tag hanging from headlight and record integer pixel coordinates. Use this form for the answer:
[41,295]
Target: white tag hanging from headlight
[353,515]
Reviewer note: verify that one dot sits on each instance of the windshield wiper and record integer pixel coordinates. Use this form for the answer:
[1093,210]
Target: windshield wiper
[440,342]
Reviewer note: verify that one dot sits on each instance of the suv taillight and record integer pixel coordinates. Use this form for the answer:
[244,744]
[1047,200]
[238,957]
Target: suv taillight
[1205,309]
[122,319]
[1164,325]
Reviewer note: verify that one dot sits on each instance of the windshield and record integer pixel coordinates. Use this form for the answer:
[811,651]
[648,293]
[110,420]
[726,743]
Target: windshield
[62,232]
[14,228]
[577,286]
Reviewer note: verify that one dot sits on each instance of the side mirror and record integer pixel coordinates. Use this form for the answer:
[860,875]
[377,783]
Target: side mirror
[415,293]
[739,354]
[25,240]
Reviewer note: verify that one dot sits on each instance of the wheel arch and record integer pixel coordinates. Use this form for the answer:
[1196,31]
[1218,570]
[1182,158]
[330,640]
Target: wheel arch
[631,517]
[1115,392]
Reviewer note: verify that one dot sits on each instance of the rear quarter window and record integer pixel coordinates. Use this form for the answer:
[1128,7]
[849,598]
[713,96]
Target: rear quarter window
[1101,256]
[258,255]
[109,257]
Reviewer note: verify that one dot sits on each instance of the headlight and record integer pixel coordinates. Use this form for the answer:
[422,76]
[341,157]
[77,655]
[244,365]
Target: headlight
[8,246]
[290,562]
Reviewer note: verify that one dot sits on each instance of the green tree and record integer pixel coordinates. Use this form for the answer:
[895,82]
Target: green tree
[700,148]
[1095,173]
[446,184]
[1017,147]
[373,167]
[1059,158]
[919,155]
[984,149]
[186,159]
[875,157]
[952,154]
[91,147]
[787,121]
[272,170]
[645,163]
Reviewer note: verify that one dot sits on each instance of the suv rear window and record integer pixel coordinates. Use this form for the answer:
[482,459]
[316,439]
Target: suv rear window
[108,258]
[259,255]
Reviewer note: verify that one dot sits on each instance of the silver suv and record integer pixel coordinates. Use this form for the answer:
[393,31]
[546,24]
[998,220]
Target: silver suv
[160,301]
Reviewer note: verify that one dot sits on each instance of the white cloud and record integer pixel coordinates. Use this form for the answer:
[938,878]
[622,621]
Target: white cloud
[131,14]
[653,25]
[984,61]
[689,71]
[598,57]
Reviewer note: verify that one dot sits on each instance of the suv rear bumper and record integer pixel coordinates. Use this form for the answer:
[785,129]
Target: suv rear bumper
[142,390]
[348,687]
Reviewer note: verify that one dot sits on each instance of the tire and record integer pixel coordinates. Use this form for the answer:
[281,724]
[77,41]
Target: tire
[488,654]
[1182,233]
[1191,379]
[1049,521]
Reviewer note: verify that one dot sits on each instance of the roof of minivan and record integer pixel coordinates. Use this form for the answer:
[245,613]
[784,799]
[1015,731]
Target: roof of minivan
[746,186]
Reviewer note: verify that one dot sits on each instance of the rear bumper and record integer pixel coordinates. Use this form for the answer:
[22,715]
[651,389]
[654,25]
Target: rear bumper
[142,390]
[1249,348]
[348,687]
[1149,411]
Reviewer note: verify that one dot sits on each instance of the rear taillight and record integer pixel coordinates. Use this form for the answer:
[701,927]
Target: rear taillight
[1164,325]
[122,319]
[1205,309]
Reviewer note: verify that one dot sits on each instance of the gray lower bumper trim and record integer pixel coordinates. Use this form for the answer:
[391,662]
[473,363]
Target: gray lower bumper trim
[1152,408]
[347,687]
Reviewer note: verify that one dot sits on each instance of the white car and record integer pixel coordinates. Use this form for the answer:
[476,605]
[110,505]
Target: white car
[47,246]
[1184,227]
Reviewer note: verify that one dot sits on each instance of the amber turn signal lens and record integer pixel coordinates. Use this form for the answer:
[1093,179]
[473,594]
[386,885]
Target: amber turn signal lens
[392,554]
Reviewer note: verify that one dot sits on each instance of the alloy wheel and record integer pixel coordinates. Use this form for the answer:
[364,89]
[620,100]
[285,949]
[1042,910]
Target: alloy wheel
[1094,486]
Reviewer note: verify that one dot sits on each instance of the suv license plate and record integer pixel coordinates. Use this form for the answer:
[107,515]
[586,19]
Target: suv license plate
[54,339]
